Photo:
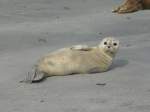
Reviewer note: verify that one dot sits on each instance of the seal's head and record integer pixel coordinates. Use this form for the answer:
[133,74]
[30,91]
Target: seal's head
[110,46]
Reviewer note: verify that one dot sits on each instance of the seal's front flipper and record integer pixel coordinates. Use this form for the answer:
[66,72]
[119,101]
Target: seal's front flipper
[34,77]
[81,47]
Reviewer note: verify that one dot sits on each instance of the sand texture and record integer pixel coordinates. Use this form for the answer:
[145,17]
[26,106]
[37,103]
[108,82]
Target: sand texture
[32,28]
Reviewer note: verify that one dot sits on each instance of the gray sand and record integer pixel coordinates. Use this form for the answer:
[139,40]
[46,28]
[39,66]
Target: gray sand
[31,28]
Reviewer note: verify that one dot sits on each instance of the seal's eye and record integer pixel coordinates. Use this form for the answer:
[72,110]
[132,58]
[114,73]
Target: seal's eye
[105,43]
[115,44]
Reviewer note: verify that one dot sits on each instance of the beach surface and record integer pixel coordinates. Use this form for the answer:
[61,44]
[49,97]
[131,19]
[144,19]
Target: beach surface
[30,29]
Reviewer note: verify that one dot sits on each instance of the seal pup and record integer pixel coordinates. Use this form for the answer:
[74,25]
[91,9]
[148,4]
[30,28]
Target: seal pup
[79,59]
[130,6]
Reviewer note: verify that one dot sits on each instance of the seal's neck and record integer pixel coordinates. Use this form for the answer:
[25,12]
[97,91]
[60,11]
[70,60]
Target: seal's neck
[109,54]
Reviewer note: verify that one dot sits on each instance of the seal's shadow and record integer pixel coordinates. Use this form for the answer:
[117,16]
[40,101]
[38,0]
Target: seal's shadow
[119,63]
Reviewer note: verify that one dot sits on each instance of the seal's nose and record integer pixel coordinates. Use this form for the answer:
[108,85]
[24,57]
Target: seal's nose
[108,46]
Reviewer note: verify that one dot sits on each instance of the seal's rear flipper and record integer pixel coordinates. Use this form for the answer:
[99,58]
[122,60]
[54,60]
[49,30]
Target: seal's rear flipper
[129,6]
[34,77]
[39,77]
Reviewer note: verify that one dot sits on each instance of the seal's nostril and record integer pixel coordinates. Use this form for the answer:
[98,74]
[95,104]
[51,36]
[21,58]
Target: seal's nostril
[108,46]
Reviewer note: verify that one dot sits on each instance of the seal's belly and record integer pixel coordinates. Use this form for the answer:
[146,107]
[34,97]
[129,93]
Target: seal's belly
[59,63]
[70,62]
[93,64]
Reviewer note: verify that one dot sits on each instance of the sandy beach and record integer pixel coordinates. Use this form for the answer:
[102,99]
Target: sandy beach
[31,28]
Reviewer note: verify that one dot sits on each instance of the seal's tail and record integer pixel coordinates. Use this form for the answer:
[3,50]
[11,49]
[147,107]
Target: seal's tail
[34,76]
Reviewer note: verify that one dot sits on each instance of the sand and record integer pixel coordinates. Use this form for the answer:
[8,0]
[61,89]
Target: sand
[32,28]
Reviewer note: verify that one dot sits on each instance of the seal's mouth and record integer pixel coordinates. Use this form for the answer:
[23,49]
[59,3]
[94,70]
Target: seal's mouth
[110,50]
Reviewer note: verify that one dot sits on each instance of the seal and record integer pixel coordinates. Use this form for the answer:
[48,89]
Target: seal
[78,59]
[130,6]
